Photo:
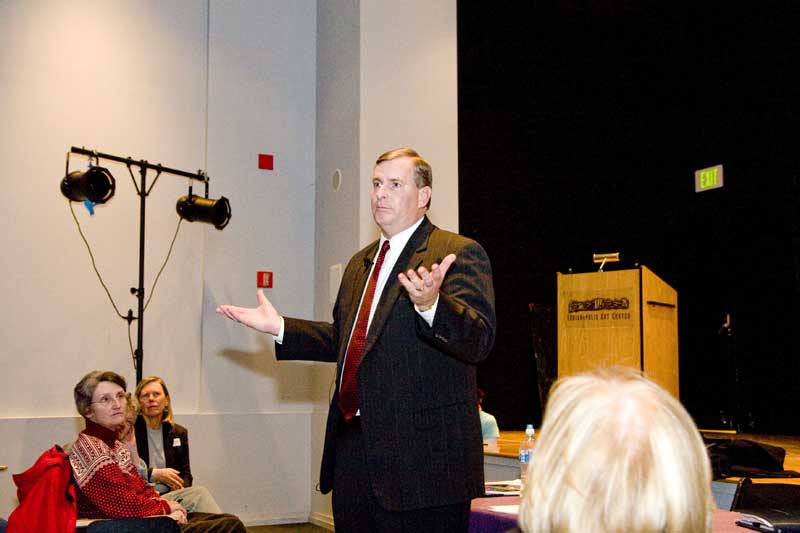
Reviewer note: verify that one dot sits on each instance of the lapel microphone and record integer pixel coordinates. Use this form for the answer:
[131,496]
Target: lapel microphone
[367,262]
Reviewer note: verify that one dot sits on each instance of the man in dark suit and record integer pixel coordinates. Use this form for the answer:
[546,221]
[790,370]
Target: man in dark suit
[403,448]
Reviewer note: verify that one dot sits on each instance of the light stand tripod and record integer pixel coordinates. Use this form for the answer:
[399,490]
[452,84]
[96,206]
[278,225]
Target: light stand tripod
[191,208]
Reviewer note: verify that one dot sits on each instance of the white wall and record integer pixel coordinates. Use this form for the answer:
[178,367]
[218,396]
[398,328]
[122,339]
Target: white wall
[190,85]
[204,85]
[123,78]
[261,99]
[409,96]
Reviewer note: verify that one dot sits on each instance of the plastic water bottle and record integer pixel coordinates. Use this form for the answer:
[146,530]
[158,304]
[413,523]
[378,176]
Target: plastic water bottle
[526,452]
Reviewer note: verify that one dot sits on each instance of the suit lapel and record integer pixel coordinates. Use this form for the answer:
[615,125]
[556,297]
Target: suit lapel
[410,258]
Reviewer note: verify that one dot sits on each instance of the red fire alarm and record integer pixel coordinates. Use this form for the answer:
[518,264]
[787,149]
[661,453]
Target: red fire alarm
[264,280]
[266,161]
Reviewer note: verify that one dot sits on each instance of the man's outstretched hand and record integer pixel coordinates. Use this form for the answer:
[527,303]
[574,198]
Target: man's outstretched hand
[262,318]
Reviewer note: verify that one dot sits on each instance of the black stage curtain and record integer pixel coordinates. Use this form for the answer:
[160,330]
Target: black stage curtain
[580,127]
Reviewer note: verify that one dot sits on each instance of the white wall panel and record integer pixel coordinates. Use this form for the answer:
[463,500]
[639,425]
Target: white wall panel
[409,96]
[261,100]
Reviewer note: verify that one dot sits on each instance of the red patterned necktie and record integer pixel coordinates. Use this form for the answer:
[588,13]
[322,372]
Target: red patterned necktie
[348,392]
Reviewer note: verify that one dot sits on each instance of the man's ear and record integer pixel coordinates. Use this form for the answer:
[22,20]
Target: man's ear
[423,196]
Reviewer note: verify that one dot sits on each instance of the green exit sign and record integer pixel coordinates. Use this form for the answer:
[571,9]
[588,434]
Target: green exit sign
[708,178]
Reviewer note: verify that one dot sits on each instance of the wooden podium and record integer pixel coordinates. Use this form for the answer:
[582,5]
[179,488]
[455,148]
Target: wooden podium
[618,318]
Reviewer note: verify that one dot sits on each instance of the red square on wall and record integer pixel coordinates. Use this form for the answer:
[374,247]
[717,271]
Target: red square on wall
[265,161]
[264,280]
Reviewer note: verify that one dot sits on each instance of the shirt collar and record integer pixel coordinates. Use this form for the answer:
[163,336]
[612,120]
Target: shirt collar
[399,241]
[103,433]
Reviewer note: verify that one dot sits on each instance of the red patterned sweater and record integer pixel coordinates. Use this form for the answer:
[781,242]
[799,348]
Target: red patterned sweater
[108,485]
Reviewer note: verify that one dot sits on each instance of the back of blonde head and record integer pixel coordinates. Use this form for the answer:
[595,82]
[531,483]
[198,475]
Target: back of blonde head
[617,453]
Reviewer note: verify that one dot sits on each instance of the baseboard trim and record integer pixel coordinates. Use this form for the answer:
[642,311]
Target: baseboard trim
[271,519]
[322,520]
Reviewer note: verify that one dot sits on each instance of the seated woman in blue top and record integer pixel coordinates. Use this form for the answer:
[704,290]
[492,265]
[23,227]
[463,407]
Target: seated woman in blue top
[162,444]
[489,428]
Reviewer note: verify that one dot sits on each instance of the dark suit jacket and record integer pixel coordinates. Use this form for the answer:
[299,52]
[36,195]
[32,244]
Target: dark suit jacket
[416,383]
[177,457]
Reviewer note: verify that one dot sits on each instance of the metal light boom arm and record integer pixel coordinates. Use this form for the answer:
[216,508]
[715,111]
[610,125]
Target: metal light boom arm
[143,165]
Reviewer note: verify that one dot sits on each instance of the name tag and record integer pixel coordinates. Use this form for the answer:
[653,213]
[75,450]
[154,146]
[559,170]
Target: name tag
[176,442]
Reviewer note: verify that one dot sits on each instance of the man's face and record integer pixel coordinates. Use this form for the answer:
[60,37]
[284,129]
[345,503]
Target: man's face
[395,199]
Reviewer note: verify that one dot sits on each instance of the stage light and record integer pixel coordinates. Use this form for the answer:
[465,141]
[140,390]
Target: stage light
[197,209]
[96,185]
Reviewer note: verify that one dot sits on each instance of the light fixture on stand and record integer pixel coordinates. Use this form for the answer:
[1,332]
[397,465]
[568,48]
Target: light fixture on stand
[96,186]
[197,209]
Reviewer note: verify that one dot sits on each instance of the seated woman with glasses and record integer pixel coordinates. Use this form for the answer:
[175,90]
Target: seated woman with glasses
[162,444]
[107,484]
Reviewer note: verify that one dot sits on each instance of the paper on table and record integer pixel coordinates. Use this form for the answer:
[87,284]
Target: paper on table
[505,509]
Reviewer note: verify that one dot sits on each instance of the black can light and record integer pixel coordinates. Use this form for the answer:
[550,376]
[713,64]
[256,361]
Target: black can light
[96,185]
[197,209]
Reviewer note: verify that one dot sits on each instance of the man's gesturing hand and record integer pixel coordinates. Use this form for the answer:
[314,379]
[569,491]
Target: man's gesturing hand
[262,318]
[423,285]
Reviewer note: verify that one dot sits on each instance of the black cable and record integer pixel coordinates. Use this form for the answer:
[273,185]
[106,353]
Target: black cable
[99,277]
[94,265]
[108,293]
[169,252]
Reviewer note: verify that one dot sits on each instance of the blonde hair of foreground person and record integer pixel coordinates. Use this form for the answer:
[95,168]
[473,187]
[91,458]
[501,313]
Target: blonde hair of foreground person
[616,453]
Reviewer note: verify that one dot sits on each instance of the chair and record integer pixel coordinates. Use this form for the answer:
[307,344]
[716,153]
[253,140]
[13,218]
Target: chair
[763,496]
[543,329]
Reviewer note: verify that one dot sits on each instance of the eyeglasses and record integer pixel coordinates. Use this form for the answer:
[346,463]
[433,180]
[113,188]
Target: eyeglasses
[107,400]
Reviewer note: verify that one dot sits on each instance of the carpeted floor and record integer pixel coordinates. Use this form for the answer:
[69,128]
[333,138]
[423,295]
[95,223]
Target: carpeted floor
[287,528]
